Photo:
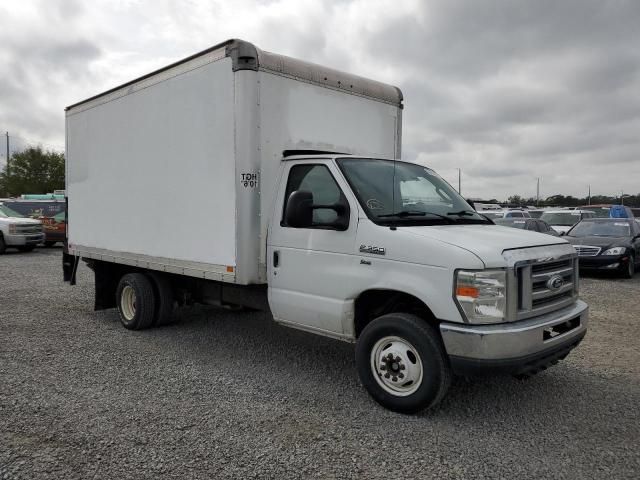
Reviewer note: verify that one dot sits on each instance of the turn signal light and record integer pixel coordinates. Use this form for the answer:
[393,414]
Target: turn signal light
[467,292]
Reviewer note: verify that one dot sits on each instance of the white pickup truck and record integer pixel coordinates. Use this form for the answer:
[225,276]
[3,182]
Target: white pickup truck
[242,177]
[17,231]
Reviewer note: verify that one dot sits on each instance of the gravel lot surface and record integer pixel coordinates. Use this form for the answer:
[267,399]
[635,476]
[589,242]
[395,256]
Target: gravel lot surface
[232,395]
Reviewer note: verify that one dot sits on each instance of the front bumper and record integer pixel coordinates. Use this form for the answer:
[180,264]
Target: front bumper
[519,347]
[27,240]
[603,262]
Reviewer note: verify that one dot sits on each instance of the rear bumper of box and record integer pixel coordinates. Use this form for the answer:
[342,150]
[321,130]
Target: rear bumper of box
[519,347]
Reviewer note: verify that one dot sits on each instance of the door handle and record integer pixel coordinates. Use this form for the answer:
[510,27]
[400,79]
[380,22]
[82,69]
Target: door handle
[276,258]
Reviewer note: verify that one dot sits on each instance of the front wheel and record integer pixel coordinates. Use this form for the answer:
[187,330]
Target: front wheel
[402,363]
[630,270]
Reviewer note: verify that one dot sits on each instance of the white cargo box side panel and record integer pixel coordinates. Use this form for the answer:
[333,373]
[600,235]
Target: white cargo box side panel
[296,115]
[153,172]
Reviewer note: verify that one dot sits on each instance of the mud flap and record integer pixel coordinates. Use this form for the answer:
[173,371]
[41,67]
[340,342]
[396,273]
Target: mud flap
[69,267]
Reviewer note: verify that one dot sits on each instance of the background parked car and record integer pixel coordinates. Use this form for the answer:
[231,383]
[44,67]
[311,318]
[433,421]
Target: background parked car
[562,220]
[535,212]
[50,211]
[607,244]
[533,224]
[509,213]
[17,231]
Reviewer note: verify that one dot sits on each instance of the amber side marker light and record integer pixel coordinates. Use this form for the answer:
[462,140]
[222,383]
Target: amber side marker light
[467,292]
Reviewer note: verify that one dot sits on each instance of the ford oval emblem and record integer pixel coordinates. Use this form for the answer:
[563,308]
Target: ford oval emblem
[555,283]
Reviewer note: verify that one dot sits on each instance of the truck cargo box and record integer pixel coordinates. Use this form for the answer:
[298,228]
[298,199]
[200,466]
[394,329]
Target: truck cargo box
[175,171]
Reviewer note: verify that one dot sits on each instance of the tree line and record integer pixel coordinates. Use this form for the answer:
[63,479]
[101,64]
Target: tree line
[570,201]
[32,170]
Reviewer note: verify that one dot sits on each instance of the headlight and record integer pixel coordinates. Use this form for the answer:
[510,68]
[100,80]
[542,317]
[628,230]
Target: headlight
[482,295]
[13,228]
[615,251]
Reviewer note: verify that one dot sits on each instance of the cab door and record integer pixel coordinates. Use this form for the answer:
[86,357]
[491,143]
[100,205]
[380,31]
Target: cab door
[308,267]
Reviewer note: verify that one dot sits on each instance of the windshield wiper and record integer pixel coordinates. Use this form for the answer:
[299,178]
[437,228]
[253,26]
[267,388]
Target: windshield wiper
[415,213]
[463,213]
[470,213]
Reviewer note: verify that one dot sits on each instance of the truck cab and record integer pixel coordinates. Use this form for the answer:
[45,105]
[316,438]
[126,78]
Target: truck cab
[387,254]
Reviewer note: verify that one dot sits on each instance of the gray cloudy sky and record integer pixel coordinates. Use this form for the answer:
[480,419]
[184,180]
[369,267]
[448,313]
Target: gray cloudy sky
[506,90]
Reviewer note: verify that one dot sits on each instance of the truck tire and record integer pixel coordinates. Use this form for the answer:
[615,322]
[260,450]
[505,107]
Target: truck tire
[49,243]
[136,301]
[3,246]
[402,363]
[164,308]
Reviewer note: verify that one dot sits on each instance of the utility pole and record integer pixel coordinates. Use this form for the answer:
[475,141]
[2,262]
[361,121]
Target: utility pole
[538,192]
[589,201]
[8,171]
[459,181]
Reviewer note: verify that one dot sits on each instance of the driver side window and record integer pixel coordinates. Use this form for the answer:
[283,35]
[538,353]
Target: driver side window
[318,180]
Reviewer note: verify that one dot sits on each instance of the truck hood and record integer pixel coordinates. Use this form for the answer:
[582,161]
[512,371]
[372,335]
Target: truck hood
[18,220]
[487,242]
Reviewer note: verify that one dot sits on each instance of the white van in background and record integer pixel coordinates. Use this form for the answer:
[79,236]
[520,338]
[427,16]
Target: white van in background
[562,220]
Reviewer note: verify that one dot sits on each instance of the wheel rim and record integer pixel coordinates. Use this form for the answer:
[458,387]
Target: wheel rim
[128,302]
[396,366]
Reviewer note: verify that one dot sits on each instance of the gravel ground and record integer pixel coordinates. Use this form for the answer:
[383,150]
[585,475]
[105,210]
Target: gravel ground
[232,395]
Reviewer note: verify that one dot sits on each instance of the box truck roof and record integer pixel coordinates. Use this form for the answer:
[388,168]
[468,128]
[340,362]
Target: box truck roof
[246,56]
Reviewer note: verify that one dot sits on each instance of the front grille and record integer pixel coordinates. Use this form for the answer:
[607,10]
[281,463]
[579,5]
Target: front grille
[587,250]
[28,228]
[546,286]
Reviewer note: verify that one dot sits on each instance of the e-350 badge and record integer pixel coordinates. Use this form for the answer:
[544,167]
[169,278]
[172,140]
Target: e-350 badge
[373,249]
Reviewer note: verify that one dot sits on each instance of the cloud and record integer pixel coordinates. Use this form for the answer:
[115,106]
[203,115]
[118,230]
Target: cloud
[508,91]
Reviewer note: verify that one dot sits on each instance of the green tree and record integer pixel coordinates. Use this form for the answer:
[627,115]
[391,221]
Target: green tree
[516,200]
[33,171]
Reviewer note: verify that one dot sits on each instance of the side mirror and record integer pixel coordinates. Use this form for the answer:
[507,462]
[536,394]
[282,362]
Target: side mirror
[562,234]
[471,203]
[299,210]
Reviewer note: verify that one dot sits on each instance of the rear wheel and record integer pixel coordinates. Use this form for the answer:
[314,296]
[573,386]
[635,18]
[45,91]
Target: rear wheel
[136,299]
[164,307]
[402,363]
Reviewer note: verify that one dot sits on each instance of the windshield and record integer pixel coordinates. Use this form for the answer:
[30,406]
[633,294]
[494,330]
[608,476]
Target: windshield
[600,229]
[565,219]
[391,192]
[7,212]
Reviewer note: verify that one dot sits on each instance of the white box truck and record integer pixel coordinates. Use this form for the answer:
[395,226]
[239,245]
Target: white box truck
[238,176]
